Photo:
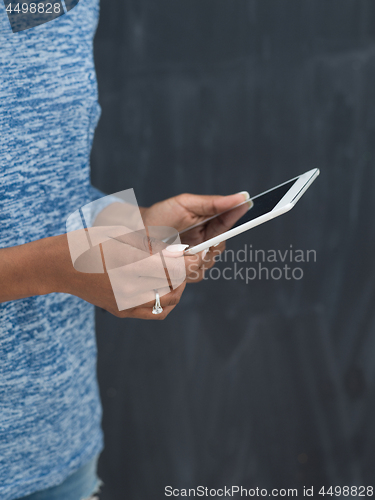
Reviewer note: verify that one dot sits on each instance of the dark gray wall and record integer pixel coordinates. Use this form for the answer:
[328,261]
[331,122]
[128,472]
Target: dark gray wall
[269,384]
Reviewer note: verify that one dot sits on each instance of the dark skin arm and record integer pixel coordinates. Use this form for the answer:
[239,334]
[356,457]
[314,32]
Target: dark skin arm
[44,266]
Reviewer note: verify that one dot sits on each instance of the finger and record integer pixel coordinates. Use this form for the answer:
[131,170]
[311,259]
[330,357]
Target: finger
[216,250]
[137,285]
[153,267]
[209,259]
[142,240]
[168,301]
[117,253]
[147,299]
[122,259]
[212,252]
[159,317]
[197,276]
[209,262]
[145,313]
[193,262]
[125,301]
[175,250]
[171,298]
[202,259]
[225,203]
[206,205]
[193,272]
[153,240]
[150,241]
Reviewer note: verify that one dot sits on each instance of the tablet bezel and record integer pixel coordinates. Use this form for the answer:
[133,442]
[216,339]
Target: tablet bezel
[287,202]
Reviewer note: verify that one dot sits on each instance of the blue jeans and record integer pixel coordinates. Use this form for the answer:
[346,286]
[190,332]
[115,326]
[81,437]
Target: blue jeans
[79,486]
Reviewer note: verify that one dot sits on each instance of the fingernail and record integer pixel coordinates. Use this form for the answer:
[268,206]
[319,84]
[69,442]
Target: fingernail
[245,194]
[176,248]
[204,253]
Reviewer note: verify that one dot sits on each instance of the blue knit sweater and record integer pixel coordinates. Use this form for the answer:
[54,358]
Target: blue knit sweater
[49,404]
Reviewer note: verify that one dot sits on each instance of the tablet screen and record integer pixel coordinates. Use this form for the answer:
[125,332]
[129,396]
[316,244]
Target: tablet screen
[241,214]
[263,204]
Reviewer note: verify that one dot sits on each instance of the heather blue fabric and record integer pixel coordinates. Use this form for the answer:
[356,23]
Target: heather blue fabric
[50,411]
[79,486]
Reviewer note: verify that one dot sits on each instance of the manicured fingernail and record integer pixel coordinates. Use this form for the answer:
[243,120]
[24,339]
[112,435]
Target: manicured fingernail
[204,253]
[245,194]
[176,248]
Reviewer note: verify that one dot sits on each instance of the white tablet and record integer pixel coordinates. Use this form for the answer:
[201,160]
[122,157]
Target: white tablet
[251,213]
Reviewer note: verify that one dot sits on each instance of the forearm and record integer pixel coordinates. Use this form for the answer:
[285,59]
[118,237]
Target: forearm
[31,269]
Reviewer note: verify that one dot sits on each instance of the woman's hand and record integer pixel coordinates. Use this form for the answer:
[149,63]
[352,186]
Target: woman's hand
[186,210]
[45,266]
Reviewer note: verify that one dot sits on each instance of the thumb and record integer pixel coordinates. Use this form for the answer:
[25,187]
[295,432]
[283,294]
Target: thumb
[223,203]
[206,205]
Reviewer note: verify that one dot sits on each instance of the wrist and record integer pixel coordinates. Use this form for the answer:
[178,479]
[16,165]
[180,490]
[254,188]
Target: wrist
[30,269]
[54,267]
[45,265]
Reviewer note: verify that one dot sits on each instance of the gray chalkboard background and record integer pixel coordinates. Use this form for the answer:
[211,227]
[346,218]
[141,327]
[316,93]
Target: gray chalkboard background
[272,383]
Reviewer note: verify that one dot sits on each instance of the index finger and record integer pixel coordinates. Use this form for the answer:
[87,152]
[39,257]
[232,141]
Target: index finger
[155,267]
